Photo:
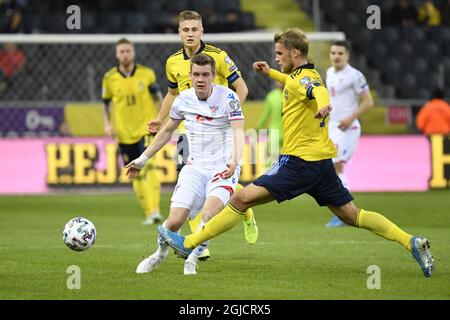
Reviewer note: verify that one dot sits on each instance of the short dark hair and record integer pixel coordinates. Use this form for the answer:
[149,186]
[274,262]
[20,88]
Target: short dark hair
[202,59]
[123,41]
[342,43]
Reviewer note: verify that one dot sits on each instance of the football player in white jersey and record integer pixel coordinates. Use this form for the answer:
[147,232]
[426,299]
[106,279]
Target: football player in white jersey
[215,131]
[350,99]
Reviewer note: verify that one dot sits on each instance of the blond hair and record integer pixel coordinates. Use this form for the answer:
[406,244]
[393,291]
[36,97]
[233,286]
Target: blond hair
[293,38]
[189,15]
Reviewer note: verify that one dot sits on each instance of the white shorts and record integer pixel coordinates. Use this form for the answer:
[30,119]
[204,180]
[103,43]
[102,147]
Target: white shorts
[196,183]
[345,141]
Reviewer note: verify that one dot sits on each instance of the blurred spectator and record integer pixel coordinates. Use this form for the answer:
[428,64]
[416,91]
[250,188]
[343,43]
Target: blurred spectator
[232,22]
[211,20]
[12,60]
[11,15]
[403,13]
[434,116]
[429,14]
[445,12]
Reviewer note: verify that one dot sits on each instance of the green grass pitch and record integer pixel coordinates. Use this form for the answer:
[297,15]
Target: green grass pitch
[296,257]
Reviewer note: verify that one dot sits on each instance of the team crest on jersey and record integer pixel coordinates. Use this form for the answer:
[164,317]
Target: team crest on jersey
[228,60]
[305,81]
[213,109]
[235,105]
[141,86]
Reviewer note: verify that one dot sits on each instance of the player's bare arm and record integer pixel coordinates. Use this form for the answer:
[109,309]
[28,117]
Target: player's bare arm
[241,89]
[161,139]
[366,102]
[109,131]
[154,125]
[238,147]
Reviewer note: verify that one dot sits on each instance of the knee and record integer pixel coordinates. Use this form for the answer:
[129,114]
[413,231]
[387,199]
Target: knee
[240,201]
[173,223]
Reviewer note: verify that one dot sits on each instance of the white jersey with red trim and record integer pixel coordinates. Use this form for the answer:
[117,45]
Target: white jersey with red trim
[344,87]
[208,123]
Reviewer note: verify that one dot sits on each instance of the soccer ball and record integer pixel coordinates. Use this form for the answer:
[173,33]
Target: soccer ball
[79,234]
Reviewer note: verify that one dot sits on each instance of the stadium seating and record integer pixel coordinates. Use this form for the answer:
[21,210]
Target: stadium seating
[115,17]
[409,58]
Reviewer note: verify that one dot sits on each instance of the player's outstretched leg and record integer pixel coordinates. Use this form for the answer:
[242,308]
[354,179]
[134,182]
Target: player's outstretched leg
[380,225]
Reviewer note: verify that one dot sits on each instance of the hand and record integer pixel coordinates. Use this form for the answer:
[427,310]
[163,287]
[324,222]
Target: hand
[323,113]
[262,67]
[132,171]
[154,126]
[135,166]
[345,123]
[109,130]
[230,171]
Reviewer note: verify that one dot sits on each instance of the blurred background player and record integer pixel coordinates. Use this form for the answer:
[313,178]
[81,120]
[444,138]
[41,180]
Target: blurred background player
[272,111]
[135,97]
[177,71]
[350,99]
[212,171]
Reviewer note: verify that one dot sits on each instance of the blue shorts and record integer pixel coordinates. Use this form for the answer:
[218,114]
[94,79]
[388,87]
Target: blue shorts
[292,176]
[131,151]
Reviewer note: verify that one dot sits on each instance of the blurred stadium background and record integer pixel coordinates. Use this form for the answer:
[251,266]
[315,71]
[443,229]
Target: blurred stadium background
[50,76]
[51,125]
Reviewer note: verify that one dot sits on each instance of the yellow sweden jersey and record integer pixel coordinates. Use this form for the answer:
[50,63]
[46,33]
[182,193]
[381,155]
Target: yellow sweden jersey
[304,136]
[178,68]
[132,102]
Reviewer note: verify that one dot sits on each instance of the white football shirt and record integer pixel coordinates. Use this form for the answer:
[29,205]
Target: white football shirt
[344,87]
[208,123]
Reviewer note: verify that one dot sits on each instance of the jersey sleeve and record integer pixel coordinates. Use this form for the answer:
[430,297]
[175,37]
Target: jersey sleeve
[359,83]
[153,86]
[227,68]
[315,89]
[106,92]
[175,112]
[233,107]
[171,79]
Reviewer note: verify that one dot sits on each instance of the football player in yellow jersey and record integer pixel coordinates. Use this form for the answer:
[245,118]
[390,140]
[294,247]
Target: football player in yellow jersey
[132,98]
[177,71]
[305,165]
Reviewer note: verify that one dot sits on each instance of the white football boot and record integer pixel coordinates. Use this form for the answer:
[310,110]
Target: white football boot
[151,263]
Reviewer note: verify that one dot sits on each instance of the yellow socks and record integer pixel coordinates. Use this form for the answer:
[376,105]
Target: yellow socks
[194,223]
[220,223]
[154,184]
[147,188]
[382,226]
[248,214]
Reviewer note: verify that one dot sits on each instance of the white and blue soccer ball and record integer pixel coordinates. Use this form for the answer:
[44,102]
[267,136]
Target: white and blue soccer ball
[79,234]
